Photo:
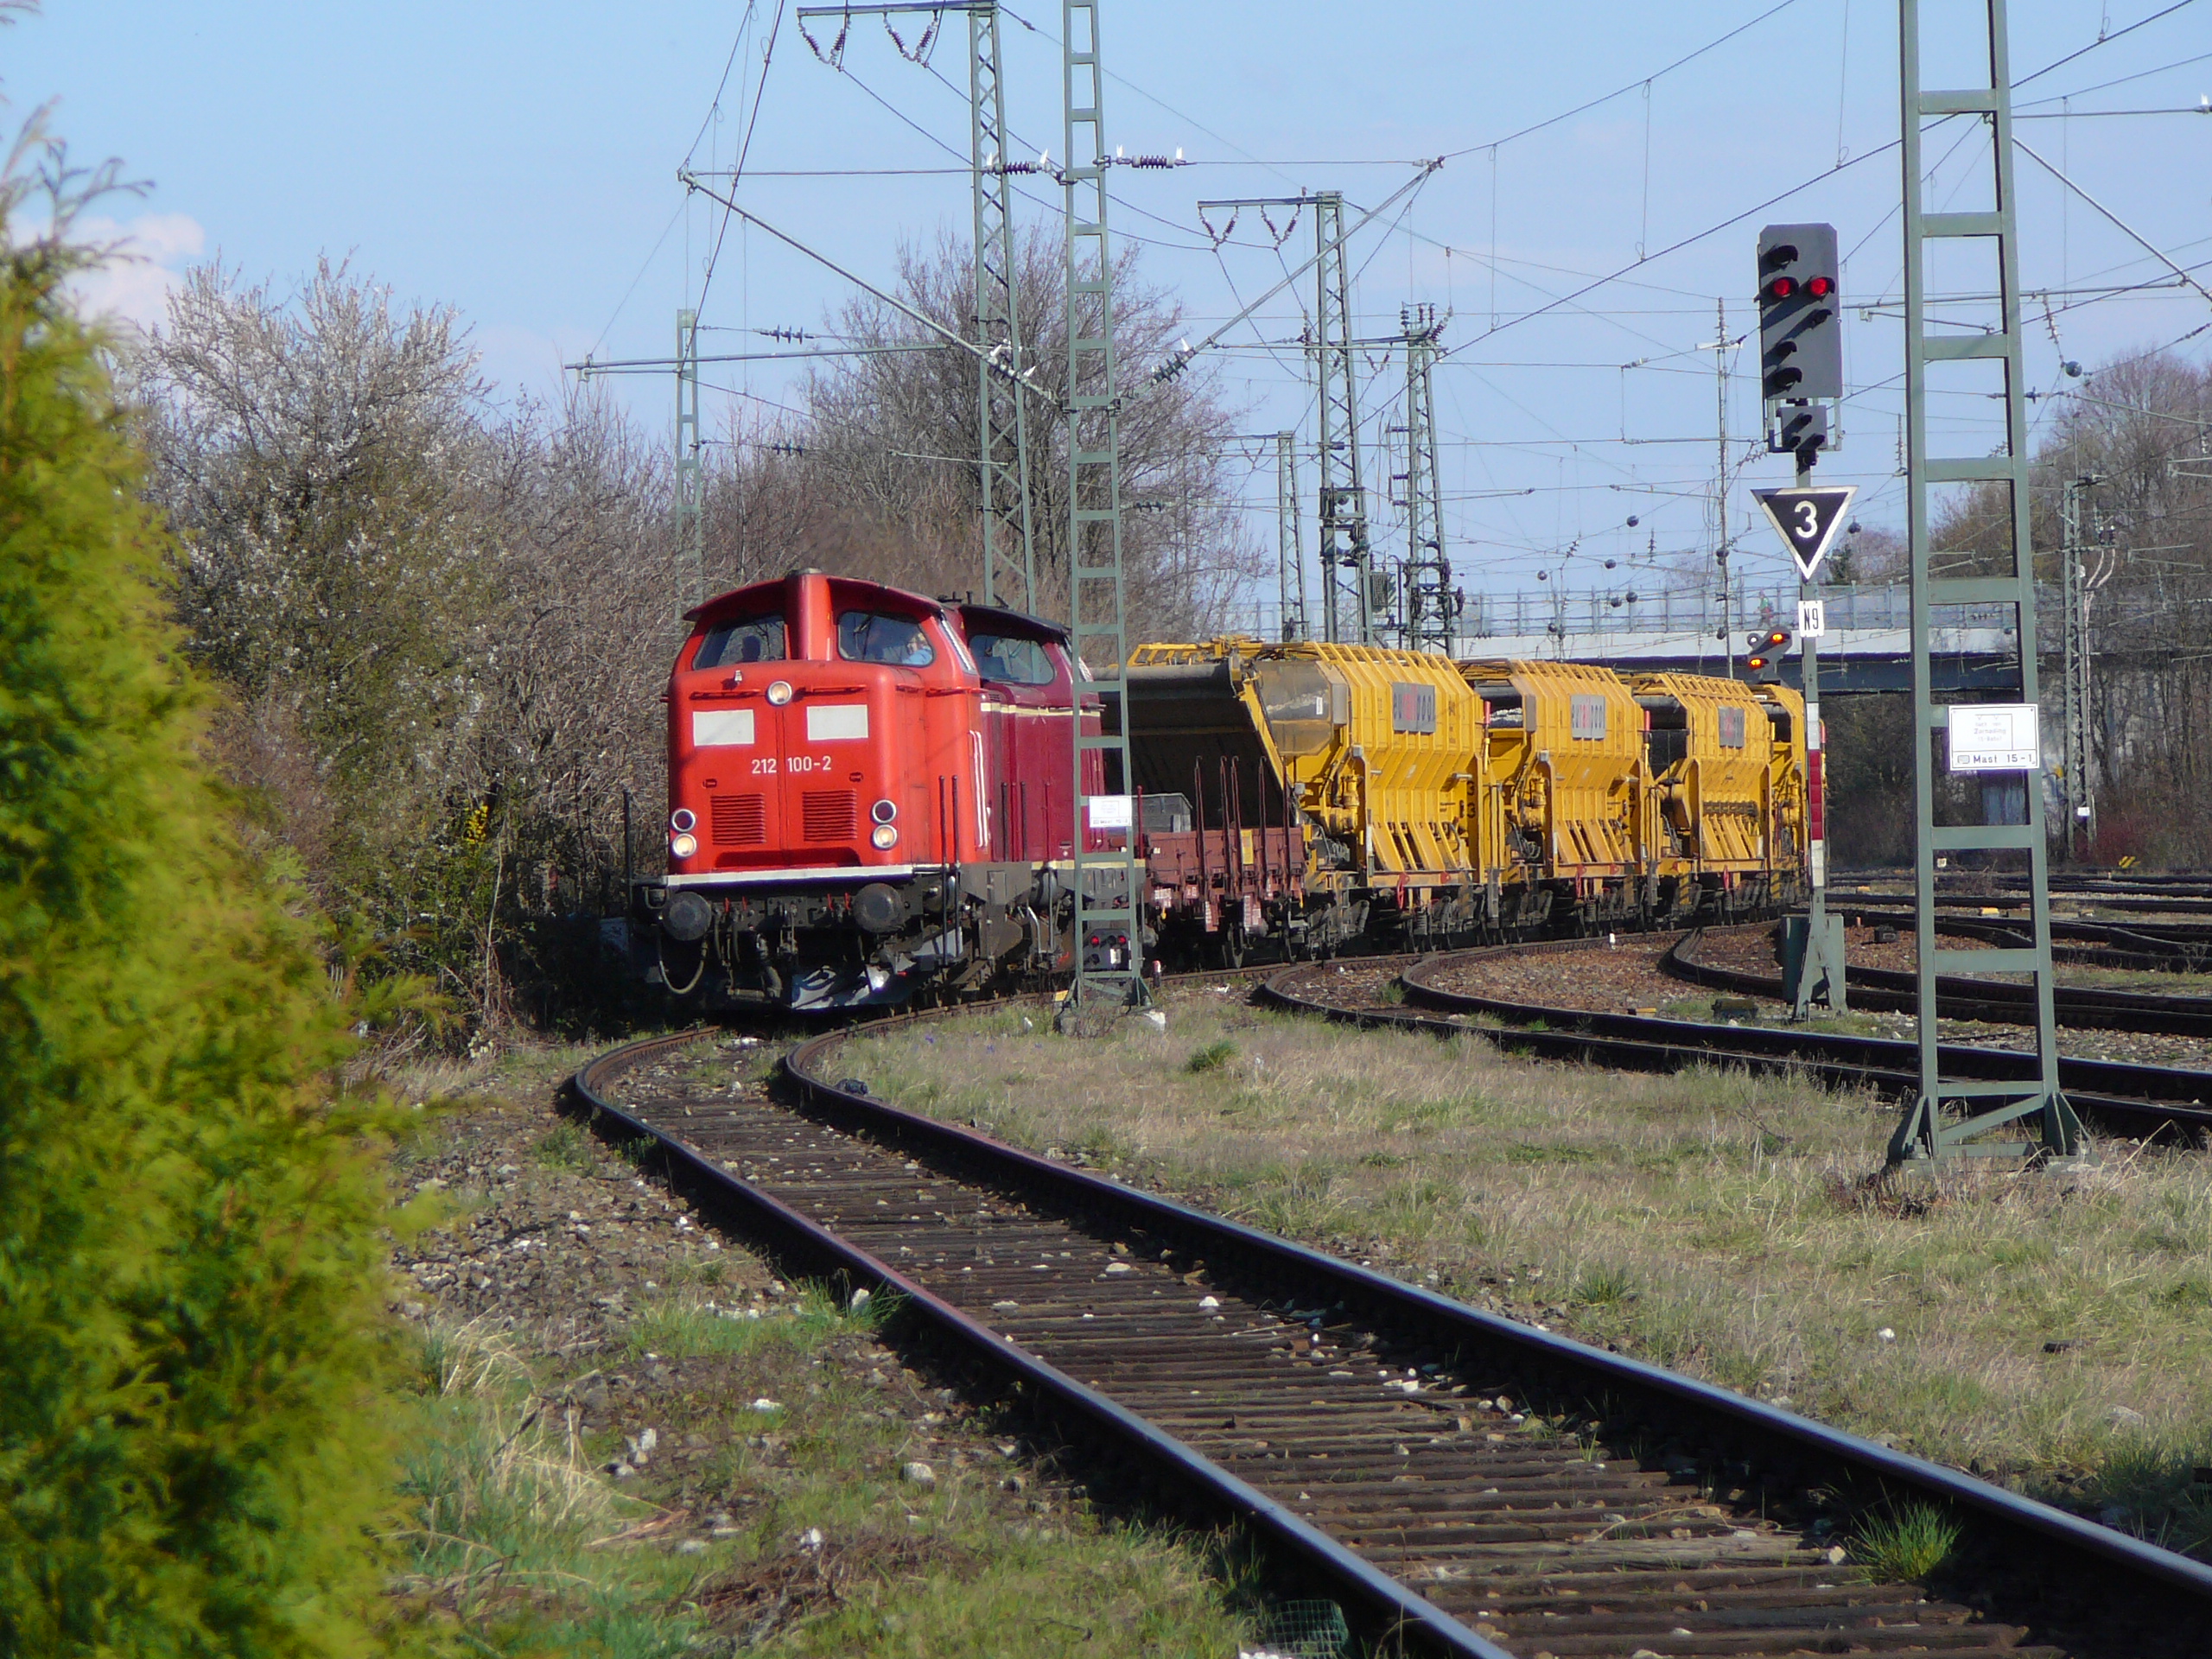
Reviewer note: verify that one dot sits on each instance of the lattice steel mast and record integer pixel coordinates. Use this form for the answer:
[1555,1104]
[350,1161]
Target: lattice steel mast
[1005,514]
[690,525]
[1980,1106]
[1430,606]
[1347,593]
[1109,933]
[1010,572]
[1290,538]
[2073,596]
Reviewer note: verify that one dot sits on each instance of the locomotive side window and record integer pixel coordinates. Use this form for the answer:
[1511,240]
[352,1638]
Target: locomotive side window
[1011,661]
[881,637]
[745,640]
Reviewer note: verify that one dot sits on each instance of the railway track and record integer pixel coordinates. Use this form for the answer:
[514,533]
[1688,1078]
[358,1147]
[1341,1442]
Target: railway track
[2130,1099]
[1463,1483]
[2156,946]
[2174,896]
[1961,997]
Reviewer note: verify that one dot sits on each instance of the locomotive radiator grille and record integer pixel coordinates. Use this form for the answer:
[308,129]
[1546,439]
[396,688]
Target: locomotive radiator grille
[740,820]
[828,814]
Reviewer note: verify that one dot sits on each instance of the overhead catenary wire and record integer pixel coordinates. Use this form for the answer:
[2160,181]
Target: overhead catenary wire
[745,146]
[2128,230]
[1640,81]
[1634,273]
[2103,39]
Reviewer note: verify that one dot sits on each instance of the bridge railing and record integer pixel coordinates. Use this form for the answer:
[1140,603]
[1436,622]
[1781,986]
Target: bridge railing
[1589,618]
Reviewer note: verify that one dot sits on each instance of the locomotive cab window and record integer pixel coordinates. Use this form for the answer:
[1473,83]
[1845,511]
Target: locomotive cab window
[1014,661]
[883,636]
[739,640]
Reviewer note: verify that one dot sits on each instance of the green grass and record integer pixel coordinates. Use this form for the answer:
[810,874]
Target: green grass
[509,1521]
[1724,1224]
[516,1540]
[1211,1057]
[562,1146]
[1904,1541]
[674,1329]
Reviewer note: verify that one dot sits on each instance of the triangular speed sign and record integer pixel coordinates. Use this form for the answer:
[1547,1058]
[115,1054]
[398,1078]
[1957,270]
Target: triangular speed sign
[1807,521]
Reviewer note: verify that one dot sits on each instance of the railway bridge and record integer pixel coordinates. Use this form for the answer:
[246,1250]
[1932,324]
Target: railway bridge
[1867,646]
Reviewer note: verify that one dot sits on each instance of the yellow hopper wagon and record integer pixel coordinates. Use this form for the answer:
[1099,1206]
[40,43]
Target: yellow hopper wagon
[1365,752]
[1726,824]
[1307,795]
[1559,821]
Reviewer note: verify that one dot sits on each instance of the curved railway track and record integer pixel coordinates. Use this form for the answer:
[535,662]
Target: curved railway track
[2132,1099]
[2174,895]
[2162,947]
[1960,997]
[1464,1483]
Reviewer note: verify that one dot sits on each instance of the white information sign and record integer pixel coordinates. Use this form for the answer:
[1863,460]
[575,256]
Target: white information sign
[1811,618]
[1111,811]
[1994,737]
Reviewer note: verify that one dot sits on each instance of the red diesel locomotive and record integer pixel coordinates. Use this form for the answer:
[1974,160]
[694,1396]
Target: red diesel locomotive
[868,791]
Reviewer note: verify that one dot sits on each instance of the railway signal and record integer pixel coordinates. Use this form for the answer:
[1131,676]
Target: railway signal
[1800,330]
[1768,649]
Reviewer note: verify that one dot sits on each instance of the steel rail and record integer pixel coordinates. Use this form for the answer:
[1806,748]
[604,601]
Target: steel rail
[1386,1602]
[2179,947]
[2175,897]
[2147,1098]
[1797,1449]
[1962,997]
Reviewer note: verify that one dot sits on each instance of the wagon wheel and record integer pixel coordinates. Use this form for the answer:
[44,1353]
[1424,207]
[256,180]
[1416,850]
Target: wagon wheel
[1234,946]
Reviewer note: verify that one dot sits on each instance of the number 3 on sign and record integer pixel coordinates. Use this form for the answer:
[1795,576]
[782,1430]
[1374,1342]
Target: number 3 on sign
[1811,618]
[1808,522]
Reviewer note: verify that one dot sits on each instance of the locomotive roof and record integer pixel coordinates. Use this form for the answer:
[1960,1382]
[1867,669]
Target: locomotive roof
[1000,616]
[737,598]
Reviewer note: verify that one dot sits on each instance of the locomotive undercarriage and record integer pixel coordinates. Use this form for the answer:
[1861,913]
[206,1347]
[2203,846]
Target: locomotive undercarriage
[935,936]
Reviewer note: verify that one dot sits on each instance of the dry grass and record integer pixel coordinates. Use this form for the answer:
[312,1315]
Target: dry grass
[2051,1330]
[512,1519]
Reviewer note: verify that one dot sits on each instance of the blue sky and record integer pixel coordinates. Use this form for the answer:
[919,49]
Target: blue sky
[518,162]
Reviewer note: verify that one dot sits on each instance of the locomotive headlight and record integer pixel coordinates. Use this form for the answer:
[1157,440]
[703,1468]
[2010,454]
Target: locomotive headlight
[885,837]
[684,846]
[682,819]
[884,811]
[779,692]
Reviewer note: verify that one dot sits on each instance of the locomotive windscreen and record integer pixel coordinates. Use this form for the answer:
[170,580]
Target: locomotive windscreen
[741,639]
[1188,728]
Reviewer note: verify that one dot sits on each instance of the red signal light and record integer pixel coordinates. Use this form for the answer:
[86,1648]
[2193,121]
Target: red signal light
[1781,288]
[1819,287]
[1754,661]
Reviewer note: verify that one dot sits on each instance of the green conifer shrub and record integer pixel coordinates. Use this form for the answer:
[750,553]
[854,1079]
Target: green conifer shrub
[192,1338]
